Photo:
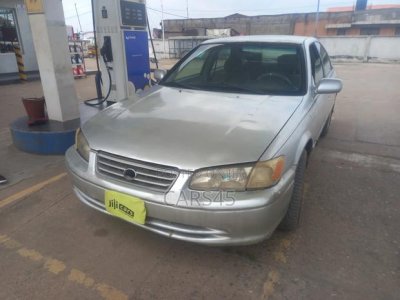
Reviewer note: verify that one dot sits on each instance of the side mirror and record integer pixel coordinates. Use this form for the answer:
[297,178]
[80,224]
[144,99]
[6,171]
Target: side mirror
[159,74]
[329,86]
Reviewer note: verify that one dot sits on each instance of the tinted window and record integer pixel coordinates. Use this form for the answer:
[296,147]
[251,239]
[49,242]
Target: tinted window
[326,62]
[192,68]
[254,68]
[316,64]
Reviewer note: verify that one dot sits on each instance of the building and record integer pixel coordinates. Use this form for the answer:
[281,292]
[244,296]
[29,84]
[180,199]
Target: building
[384,22]
[15,30]
[244,25]
[367,7]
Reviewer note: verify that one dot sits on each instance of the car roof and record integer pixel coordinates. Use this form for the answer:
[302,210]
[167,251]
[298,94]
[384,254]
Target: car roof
[293,39]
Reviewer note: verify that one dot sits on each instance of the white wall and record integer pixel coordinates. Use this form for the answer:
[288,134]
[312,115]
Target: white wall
[159,47]
[8,62]
[384,48]
[340,48]
[363,48]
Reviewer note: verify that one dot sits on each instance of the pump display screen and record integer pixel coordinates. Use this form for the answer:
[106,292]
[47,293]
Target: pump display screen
[133,14]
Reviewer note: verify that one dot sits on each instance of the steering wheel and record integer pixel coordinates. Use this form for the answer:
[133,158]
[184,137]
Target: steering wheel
[278,76]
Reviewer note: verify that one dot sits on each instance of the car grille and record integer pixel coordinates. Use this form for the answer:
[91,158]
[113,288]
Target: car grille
[148,175]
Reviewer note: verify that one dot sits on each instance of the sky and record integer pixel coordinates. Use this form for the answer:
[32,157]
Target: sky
[176,9]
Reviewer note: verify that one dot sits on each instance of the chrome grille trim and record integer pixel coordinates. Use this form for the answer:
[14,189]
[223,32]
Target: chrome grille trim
[148,175]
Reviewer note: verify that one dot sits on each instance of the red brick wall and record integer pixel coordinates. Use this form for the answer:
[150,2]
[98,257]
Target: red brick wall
[387,31]
[308,28]
[353,31]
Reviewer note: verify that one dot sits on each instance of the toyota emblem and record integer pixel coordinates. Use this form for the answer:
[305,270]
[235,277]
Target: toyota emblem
[129,174]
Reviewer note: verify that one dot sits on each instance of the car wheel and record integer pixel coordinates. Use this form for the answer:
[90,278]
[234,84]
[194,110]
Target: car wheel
[327,125]
[291,220]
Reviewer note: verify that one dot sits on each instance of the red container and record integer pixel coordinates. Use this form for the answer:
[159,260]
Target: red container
[36,110]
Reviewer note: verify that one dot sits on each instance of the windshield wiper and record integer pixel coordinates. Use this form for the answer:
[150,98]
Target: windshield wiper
[240,88]
[223,86]
[180,85]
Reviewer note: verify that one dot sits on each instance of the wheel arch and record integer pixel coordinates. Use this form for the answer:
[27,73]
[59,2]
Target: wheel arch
[306,143]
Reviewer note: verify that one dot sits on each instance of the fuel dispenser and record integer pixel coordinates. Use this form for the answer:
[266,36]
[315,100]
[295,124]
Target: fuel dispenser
[121,36]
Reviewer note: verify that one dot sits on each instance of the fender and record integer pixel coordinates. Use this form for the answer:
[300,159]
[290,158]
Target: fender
[306,142]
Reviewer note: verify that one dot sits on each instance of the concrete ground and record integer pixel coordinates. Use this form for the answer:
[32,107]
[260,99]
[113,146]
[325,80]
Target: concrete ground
[52,246]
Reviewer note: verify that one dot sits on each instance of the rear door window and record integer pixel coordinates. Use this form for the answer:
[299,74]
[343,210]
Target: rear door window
[326,62]
[316,64]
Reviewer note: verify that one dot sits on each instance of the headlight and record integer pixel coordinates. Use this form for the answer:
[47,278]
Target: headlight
[266,173]
[234,178]
[82,145]
[260,175]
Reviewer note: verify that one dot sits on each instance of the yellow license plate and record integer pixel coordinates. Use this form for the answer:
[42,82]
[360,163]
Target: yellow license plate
[126,207]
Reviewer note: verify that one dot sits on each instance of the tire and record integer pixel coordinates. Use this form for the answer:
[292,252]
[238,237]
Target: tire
[291,220]
[325,130]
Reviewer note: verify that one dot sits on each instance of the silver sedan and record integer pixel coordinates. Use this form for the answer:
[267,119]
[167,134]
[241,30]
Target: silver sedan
[216,152]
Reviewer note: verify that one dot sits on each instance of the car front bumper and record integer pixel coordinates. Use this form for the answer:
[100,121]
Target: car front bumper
[250,217]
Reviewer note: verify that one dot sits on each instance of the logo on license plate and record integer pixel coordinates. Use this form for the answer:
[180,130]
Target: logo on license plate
[116,205]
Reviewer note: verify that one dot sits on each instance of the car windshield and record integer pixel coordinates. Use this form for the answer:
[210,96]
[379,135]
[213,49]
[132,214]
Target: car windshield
[261,68]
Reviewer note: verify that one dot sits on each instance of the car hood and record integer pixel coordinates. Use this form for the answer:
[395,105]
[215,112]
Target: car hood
[191,129]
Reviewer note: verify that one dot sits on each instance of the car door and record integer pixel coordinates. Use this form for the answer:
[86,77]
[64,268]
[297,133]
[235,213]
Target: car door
[322,103]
